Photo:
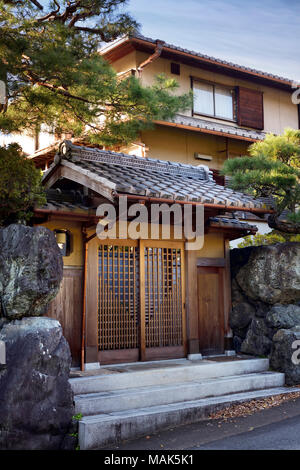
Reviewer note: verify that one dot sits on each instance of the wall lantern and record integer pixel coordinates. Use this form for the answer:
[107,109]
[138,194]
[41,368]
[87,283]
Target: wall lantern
[63,239]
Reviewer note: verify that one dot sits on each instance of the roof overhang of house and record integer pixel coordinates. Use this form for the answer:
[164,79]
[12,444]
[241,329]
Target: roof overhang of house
[125,45]
[210,127]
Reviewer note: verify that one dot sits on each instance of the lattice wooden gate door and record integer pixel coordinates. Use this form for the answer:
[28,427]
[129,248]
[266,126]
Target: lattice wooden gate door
[140,301]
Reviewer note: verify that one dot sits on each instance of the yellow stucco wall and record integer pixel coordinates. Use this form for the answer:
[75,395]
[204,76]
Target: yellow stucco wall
[279,111]
[76,256]
[213,246]
[213,242]
[180,145]
[126,63]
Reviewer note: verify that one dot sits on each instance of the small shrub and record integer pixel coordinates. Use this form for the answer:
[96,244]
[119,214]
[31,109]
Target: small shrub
[268,239]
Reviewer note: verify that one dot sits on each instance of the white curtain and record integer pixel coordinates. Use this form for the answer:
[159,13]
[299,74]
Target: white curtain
[203,98]
[223,102]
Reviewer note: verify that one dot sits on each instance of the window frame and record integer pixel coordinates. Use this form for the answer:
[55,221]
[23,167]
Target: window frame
[214,85]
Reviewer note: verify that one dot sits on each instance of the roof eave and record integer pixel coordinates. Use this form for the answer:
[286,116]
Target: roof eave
[212,62]
[206,131]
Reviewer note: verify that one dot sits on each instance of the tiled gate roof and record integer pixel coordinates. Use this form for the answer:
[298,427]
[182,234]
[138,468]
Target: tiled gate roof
[134,175]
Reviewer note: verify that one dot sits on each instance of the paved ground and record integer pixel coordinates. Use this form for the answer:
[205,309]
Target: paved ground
[273,428]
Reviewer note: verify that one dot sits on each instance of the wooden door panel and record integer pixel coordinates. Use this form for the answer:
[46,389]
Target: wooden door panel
[210,311]
[141,301]
[67,309]
[118,305]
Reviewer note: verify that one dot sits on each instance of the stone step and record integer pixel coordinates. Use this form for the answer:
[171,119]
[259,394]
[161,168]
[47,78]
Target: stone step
[121,400]
[170,374]
[102,430]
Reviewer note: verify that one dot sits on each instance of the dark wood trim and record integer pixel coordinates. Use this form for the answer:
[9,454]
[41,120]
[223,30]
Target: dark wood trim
[91,332]
[227,287]
[142,301]
[211,262]
[117,356]
[166,352]
[192,87]
[216,348]
[91,354]
[191,301]
[66,308]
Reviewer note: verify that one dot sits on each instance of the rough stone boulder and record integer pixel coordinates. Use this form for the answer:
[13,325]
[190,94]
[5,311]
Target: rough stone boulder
[36,399]
[285,354]
[258,340]
[31,270]
[240,318]
[270,274]
[265,318]
[283,316]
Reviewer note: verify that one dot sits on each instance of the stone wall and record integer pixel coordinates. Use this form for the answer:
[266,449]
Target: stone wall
[36,399]
[265,317]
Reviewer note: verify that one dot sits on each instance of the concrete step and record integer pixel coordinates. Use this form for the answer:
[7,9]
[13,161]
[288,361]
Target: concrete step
[121,400]
[102,430]
[170,374]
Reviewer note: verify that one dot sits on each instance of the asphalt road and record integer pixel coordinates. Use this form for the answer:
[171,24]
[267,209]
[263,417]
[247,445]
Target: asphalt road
[273,428]
[283,435]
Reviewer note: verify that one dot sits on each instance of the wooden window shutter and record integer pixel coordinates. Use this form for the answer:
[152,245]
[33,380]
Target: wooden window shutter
[250,110]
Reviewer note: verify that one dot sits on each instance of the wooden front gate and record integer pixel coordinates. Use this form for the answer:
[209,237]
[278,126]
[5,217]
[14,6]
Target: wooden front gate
[140,301]
[211,310]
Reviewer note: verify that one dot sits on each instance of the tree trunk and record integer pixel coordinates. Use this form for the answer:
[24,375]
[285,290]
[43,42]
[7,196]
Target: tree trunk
[283,225]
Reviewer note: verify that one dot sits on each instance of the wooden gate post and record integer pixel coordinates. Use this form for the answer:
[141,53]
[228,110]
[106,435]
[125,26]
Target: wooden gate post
[142,302]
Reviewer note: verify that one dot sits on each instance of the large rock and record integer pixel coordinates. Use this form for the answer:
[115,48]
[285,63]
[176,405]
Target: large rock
[270,274]
[283,316]
[285,354]
[30,270]
[240,318]
[36,400]
[256,343]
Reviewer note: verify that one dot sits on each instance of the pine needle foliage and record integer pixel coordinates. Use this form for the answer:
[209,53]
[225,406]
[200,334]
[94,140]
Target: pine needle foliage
[272,170]
[55,76]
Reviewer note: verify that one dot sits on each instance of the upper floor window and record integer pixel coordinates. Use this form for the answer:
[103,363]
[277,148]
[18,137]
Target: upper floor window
[214,100]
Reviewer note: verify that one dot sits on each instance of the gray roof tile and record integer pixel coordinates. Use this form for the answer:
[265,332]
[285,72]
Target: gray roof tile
[216,127]
[157,178]
[204,56]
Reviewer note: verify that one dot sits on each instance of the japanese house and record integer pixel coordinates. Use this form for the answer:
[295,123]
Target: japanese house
[125,300]
[152,299]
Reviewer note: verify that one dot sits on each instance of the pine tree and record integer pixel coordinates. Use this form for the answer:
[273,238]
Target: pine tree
[20,186]
[55,76]
[272,169]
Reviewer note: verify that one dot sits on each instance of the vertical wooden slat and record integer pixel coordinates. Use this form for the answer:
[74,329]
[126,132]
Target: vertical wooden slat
[105,345]
[134,297]
[182,281]
[149,335]
[227,288]
[164,282]
[157,284]
[142,302]
[177,280]
[113,303]
[128,321]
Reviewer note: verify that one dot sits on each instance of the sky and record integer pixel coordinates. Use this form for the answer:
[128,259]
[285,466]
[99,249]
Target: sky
[262,34]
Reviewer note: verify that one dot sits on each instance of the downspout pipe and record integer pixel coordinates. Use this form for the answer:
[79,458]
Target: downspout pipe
[158,50]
